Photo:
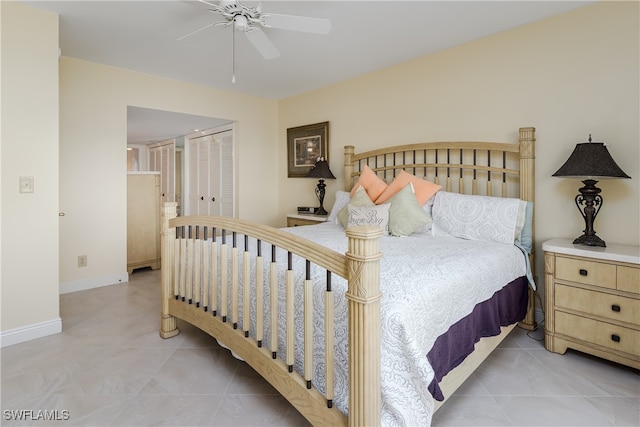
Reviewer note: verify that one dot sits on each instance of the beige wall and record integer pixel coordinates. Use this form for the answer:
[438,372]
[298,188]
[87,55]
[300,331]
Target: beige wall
[93,139]
[568,76]
[29,147]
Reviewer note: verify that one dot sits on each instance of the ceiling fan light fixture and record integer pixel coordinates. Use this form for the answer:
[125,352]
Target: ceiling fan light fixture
[241,23]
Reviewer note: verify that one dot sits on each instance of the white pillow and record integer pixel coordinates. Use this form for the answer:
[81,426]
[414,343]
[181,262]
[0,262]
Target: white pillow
[428,208]
[369,215]
[342,199]
[475,217]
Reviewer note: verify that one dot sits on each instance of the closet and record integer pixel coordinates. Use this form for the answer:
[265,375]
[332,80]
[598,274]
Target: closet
[210,177]
[162,158]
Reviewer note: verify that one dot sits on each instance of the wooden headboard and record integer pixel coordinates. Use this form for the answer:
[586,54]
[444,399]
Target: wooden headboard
[471,167]
[488,168]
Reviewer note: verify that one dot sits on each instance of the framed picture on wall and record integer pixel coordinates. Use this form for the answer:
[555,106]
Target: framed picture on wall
[305,145]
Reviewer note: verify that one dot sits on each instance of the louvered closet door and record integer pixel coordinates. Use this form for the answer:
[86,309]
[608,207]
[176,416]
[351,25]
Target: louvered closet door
[211,187]
[192,187]
[204,162]
[164,169]
[223,143]
[170,175]
[162,159]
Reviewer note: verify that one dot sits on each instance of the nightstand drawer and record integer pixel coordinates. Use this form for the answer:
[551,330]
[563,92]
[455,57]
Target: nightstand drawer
[629,279]
[612,307]
[587,272]
[600,333]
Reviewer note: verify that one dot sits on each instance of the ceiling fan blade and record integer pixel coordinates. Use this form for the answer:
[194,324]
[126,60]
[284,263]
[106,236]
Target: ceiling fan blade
[261,42]
[197,31]
[201,29]
[218,8]
[296,23]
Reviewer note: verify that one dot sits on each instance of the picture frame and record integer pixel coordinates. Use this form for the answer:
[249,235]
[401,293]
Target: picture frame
[305,144]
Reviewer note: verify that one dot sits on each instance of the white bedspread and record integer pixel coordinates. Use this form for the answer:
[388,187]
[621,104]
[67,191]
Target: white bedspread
[428,283]
[425,280]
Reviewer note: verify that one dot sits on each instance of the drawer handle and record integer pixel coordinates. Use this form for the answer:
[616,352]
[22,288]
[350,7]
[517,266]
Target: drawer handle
[616,308]
[583,272]
[615,338]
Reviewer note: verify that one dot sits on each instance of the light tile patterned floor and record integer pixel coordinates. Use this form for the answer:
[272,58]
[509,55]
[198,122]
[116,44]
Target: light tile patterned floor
[109,367]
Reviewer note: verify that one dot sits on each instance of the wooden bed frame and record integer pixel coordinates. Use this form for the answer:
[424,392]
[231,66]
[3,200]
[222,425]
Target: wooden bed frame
[465,167]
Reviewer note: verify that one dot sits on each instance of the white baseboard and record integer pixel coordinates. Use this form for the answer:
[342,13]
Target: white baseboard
[30,332]
[94,282]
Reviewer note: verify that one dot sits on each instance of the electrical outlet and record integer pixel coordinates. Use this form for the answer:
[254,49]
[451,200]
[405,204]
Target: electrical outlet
[82,261]
[26,184]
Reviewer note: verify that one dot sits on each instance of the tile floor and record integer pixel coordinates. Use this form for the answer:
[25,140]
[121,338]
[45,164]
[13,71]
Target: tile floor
[110,368]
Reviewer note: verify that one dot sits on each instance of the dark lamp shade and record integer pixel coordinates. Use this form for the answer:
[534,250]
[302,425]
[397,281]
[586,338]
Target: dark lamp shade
[321,170]
[591,160]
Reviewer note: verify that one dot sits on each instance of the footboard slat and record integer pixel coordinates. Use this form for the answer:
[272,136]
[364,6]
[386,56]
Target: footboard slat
[234,282]
[224,276]
[197,268]
[175,283]
[189,268]
[246,279]
[273,304]
[328,340]
[206,256]
[259,295]
[183,266]
[213,265]
[289,312]
[308,329]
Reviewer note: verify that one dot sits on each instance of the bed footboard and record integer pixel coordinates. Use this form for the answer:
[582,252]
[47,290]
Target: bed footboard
[229,289]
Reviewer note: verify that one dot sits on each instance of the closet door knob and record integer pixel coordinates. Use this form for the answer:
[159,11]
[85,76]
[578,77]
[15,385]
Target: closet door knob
[201,197]
[213,199]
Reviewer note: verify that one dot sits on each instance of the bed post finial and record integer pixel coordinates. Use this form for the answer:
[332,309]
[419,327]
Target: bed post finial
[363,297]
[348,167]
[527,163]
[168,326]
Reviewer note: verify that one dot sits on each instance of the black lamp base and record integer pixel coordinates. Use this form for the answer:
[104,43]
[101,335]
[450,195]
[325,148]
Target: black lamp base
[321,211]
[320,190]
[591,201]
[589,241]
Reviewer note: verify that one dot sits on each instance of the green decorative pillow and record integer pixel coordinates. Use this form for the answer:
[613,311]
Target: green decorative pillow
[405,214]
[377,215]
[359,199]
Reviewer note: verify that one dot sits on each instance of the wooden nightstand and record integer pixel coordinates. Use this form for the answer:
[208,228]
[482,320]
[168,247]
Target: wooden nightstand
[592,300]
[295,220]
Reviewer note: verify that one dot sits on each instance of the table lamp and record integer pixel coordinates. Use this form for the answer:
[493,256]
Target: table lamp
[321,170]
[588,161]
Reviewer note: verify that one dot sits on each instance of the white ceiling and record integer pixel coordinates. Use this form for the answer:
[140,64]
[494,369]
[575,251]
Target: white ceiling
[365,36]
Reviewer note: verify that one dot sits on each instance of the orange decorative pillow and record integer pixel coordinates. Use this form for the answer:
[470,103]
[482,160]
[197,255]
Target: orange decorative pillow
[372,183]
[424,189]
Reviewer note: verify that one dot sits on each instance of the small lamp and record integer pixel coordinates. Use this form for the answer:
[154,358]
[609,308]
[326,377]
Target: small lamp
[590,160]
[321,170]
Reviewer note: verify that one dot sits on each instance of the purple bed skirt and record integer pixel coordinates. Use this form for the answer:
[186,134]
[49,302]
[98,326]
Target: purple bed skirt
[507,306]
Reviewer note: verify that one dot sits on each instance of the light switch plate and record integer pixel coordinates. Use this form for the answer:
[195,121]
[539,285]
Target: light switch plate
[26,184]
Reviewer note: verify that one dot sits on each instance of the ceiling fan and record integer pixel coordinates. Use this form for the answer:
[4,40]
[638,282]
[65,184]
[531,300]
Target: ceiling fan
[249,20]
